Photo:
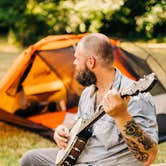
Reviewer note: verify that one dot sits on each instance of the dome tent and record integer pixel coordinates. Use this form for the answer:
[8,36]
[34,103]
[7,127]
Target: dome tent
[42,77]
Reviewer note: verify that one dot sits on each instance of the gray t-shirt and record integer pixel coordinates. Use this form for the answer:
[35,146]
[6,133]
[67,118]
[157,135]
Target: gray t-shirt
[106,146]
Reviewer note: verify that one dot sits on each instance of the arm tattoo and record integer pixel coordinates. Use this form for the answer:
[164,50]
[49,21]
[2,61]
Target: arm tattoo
[142,156]
[132,129]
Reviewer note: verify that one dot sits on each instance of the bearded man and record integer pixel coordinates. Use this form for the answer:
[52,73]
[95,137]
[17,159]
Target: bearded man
[126,135]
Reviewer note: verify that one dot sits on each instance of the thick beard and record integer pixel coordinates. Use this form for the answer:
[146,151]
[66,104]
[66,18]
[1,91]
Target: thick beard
[85,77]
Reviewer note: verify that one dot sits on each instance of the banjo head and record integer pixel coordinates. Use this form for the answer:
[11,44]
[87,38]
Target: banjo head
[63,153]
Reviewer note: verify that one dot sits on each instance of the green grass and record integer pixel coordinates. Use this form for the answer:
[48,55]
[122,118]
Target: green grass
[161,156]
[14,142]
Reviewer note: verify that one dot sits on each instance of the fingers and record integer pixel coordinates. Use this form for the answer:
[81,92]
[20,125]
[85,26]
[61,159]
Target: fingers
[61,136]
[127,99]
[61,141]
[107,104]
[111,96]
[64,132]
[111,93]
[113,103]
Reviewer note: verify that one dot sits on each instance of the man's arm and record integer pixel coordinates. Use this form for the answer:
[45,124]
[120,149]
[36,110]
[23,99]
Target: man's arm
[143,147]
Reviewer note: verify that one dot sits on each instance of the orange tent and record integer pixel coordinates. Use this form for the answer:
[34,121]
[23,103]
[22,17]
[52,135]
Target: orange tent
[40,82]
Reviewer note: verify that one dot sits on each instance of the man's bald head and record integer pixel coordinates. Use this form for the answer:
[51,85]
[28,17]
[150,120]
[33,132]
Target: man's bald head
[98,45]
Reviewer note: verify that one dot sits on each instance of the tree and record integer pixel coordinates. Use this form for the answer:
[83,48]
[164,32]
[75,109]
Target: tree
[31,20]
[136,19]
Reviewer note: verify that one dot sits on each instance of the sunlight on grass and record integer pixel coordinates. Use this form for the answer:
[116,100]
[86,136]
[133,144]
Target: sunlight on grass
[6,46]
[161,155]
[14,142]
[8,53]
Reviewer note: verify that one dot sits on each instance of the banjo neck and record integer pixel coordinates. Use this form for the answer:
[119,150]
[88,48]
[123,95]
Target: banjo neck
[81,132]
[91,121]
[142,85]
[98,114]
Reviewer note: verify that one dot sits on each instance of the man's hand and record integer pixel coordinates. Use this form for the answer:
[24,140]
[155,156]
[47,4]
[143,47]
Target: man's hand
[61,136]
[114,105]
[143,147]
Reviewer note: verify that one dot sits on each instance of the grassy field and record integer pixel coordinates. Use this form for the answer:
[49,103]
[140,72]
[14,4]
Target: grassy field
[14,141]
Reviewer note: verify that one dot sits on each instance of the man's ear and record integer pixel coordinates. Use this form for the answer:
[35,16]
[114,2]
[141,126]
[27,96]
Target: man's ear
[91,62]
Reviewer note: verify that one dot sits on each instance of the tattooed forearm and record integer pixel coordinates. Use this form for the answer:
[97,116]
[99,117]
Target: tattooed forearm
[143,147]
[142,156]
[132,129]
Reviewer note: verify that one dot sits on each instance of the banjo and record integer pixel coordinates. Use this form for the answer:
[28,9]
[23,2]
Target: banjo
[81,131]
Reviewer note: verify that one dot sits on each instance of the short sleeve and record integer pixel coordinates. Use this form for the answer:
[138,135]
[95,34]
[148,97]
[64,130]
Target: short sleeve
[143,110]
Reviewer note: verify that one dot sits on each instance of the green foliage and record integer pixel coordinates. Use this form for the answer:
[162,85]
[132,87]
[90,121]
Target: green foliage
[28,30]
[30,20]
[153,22]
[10,13]
[143,18]
[38,18]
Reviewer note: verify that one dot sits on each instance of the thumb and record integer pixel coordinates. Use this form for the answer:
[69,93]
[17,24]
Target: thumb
[127,99]
[66,131]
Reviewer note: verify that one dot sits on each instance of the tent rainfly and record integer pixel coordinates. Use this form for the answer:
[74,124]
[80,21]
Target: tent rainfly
[39,90]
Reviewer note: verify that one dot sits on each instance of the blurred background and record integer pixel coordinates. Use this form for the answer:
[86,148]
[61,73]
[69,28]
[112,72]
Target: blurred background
[27,21]
[139,25]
